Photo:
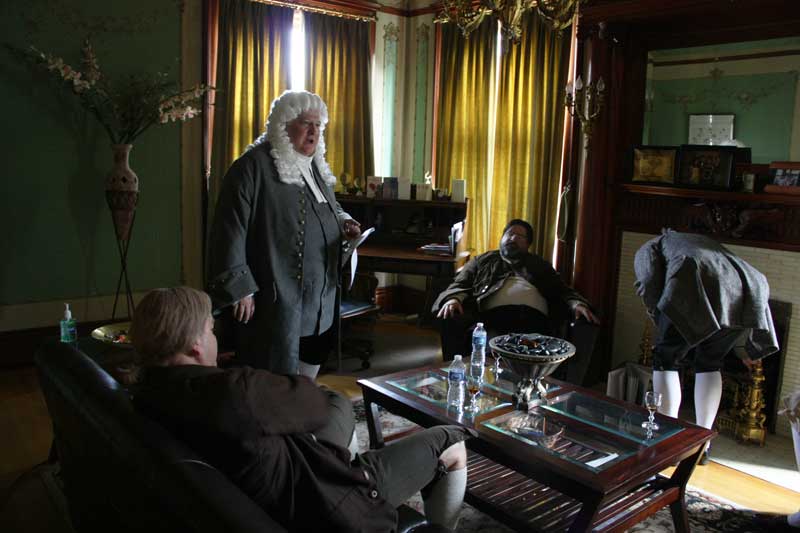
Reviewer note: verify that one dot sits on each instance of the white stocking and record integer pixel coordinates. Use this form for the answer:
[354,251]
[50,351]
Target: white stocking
[310,371]
[707,394]
[668,383]
[443,504]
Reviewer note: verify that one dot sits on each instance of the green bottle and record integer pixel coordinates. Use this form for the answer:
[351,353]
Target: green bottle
[69,333]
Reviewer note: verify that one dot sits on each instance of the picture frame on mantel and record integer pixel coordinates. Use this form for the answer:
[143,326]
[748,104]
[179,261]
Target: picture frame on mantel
[706,167]
[784,177]
[710,129]
[654,164]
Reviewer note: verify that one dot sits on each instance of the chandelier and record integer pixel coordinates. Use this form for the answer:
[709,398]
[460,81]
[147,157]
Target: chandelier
[468,14]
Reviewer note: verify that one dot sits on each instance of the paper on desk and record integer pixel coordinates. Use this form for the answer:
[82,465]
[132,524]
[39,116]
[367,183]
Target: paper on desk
[353,257]
[602,460]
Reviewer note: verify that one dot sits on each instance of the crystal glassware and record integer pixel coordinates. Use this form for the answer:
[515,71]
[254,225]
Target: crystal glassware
[652,401]
[496,370]
[474,383]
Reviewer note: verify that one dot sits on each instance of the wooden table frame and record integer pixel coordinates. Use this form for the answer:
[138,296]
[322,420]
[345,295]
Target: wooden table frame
[612,499]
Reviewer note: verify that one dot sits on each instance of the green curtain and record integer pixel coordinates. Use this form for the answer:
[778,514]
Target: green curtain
[252,70]
[529,130]
[462,138]
[338,70]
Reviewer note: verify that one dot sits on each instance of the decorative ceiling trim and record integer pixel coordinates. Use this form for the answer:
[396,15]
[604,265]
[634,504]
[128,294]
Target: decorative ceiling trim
[358,9]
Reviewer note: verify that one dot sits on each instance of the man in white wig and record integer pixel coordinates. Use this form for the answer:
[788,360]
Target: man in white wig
[702,296]
[276,241]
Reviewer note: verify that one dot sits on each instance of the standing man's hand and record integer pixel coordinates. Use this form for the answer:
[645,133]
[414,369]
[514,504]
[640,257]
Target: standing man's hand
[244,309]
[583,311]
[352,229]
[450,309]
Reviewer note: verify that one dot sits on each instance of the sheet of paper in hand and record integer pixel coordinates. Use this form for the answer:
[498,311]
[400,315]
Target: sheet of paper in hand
[352,255]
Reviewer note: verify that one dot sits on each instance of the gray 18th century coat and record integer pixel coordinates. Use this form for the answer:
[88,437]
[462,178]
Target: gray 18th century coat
[702,287]
[257,246]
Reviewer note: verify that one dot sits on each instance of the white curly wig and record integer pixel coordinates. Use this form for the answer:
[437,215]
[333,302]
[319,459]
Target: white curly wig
[287,107]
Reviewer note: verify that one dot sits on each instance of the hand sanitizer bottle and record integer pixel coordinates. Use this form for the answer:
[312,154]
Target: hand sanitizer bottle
[69,333]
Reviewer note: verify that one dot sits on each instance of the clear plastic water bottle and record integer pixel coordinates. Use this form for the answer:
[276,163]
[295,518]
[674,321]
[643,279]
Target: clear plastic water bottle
[456,383]
[479,344]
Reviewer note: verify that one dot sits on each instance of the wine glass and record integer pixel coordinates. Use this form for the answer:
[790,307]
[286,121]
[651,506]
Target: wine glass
[496,369]
[652,400]
[474,383]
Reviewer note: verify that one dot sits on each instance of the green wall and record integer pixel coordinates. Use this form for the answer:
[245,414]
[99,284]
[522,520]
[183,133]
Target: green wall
[760,92]
[765,125]
[57,240]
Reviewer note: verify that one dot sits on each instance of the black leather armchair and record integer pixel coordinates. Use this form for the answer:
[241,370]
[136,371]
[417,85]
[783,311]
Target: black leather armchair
[123,472]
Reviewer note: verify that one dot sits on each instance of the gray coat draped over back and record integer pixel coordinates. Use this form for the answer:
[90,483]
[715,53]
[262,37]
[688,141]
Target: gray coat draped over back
[702,287]
[256,246]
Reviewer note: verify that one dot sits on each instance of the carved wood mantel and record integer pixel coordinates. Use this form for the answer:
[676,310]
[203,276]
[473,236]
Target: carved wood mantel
[760,220]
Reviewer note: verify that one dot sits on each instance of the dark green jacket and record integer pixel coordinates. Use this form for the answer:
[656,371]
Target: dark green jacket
[485,274]
[256,427]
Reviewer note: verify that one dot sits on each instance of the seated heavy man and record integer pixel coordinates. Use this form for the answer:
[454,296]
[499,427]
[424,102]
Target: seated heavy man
[280,438]
[509,290]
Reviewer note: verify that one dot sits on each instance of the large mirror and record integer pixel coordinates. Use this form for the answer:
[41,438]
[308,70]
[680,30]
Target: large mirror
[695,92]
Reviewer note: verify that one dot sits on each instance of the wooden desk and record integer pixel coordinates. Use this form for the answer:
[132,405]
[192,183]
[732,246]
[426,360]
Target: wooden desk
[405,259]
[600,475]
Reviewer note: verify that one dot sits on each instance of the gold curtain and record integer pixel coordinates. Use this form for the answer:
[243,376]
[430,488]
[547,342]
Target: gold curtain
[528,137]
[252,70]
[338,70]
[462,136]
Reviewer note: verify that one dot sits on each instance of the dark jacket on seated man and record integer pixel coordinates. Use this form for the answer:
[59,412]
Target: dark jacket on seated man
[282,439]
[476,287]
[257,428]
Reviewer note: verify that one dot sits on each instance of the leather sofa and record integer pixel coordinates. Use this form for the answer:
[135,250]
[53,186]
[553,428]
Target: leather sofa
[124,472]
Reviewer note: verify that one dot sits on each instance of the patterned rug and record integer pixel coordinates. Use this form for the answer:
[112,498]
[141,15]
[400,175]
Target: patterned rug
[707,513]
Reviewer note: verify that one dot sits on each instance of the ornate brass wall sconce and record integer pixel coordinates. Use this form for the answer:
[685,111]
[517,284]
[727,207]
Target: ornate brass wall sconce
[585,102]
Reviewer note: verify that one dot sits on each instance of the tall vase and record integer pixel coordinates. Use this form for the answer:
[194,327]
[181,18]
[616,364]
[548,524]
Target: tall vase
[122,194]
[122,191]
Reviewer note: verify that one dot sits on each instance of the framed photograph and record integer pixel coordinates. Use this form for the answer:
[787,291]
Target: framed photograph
[654,164]
[706,167]
[785,173]
[710,129]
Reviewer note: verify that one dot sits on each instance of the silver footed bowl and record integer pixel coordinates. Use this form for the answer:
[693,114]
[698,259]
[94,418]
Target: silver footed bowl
[532,357]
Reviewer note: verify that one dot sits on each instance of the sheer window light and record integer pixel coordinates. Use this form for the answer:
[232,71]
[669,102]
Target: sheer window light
[298,52]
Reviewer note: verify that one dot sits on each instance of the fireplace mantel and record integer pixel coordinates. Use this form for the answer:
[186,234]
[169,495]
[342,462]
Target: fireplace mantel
[750,219]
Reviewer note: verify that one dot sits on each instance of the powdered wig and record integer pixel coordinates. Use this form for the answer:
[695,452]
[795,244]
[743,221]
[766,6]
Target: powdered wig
[167,322]
[286,108]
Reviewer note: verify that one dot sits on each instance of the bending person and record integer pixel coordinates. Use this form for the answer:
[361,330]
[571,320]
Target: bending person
[276,240]
[700,295]
[280,438]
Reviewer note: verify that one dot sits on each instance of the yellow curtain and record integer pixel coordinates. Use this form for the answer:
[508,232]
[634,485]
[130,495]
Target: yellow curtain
[528,136]
[462,136]
[252,70]
[338,70]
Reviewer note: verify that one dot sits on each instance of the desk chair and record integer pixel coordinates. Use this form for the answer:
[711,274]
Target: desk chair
[357,316]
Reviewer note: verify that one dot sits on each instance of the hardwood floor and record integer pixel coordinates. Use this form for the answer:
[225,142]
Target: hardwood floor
[26,433]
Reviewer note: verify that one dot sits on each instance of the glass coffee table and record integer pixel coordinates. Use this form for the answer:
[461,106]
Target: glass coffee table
[581,461]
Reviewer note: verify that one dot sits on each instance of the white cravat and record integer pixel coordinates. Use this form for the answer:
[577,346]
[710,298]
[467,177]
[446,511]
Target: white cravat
[304,164]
